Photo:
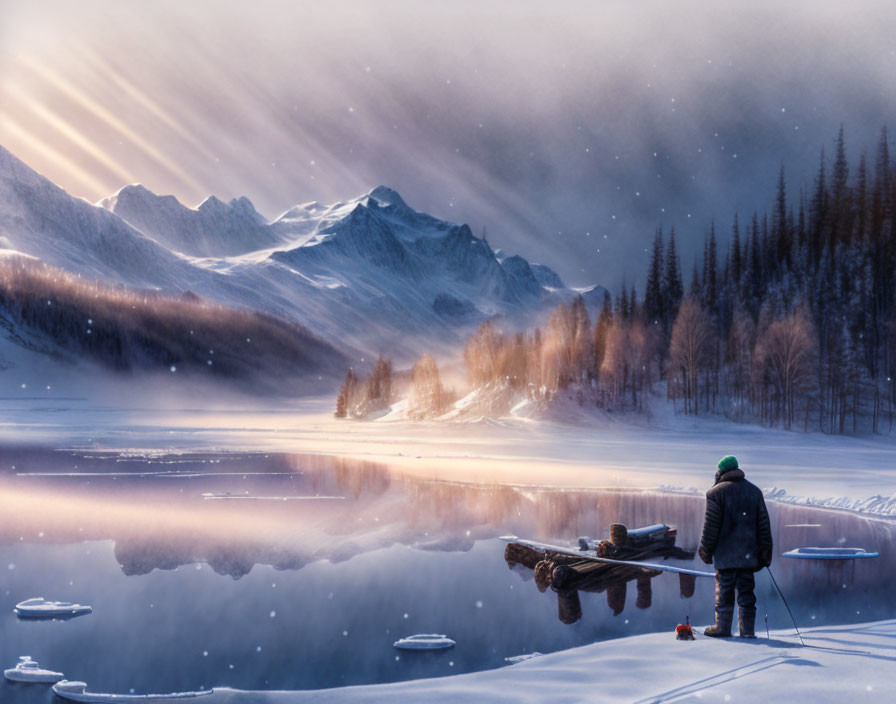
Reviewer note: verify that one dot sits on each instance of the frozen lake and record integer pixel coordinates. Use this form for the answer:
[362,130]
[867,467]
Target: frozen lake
[610,451]
[276,571]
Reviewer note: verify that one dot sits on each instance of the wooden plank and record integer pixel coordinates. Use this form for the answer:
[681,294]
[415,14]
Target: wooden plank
[591,555]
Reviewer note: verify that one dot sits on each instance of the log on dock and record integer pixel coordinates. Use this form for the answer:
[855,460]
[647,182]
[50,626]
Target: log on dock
[561,570]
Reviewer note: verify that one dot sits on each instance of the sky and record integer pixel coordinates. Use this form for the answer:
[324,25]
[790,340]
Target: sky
[567,131]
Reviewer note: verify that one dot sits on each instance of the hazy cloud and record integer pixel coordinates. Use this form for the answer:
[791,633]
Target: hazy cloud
[540,121]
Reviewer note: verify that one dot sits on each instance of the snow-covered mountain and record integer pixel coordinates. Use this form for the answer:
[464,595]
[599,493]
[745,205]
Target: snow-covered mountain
[40,219]
[213,229]
[370,274]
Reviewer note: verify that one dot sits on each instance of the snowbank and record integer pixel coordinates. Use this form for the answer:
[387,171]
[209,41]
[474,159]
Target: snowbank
[883,506]
[873,505]
[852,663]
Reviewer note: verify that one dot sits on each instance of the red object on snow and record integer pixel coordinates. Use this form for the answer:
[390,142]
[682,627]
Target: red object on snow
[683,631]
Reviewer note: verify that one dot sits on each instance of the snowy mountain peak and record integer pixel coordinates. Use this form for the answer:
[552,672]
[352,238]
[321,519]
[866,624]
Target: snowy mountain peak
[546,276]
[13,169]
[370,272]
[244,206]
[136,195]
[213,229]
[40,219]
[387,196]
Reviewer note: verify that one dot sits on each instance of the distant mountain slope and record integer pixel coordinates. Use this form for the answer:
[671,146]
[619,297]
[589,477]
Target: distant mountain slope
[40,219]
[213,229]
[51,312]
[369,274]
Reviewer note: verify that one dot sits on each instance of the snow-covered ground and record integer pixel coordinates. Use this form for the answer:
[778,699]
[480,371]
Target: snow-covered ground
[839,664]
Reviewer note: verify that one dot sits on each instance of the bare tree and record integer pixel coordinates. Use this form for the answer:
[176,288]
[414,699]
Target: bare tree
[347,396]
[482,353]
[428,397]
[785,358]
[378,389]
[739,358]
[690,350]
[614,369]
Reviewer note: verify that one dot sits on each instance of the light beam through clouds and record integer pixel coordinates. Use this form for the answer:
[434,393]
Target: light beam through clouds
[66,129]
[41,148]
[570,131]
[107,118]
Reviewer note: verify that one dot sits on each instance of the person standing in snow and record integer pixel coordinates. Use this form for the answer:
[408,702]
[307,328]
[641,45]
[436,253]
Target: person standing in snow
[737,538]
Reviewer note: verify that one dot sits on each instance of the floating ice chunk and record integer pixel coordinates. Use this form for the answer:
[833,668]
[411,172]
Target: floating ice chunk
[77,692]
[212,496]
[425,641]
[39,607]
[522,658]
[829,553]
[27,670]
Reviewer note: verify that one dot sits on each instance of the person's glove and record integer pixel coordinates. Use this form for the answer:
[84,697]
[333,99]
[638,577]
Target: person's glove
[705,556]
[765,557]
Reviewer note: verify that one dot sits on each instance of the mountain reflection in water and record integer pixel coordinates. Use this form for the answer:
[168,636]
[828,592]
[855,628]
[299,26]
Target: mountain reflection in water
[152,507]
[318,583]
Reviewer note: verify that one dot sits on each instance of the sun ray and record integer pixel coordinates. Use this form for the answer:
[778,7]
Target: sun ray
[100,112]
[71,133]
[144,100]
[37,146]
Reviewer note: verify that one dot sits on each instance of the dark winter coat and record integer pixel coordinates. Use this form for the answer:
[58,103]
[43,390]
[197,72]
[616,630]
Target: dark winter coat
[736,529]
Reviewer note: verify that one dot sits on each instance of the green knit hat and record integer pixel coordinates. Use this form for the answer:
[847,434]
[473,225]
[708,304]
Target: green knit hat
[726,464]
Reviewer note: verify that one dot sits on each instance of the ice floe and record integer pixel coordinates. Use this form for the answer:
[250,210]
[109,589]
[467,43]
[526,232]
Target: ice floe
[38,607]
[28,670]
[425,641]
[77,692]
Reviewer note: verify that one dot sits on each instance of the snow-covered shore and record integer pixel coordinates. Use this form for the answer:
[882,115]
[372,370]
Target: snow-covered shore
[668,451]
[839,664]
[876,506]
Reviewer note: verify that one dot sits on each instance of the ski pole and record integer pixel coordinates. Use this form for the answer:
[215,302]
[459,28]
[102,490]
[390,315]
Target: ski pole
[786,605]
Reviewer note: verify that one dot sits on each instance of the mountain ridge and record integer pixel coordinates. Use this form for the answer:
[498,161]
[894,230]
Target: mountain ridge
[369,274]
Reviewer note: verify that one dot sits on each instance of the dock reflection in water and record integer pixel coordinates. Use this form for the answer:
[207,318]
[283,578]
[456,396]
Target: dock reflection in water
[568,572]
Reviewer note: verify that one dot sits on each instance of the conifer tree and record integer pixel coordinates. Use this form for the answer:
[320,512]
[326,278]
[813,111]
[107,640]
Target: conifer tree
[695,287]
[818,213]
[653,294]
[781,232]
[735,260]
[860,231]
[839,212]
[622,309]
[673,289]
[710,272]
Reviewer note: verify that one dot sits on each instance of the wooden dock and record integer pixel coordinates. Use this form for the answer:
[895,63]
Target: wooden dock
[568,571]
